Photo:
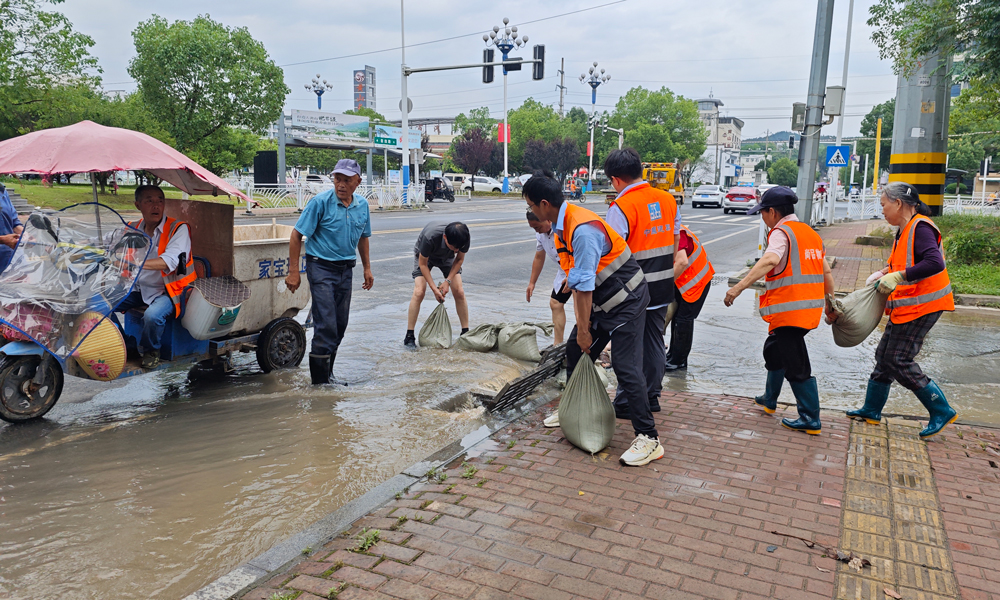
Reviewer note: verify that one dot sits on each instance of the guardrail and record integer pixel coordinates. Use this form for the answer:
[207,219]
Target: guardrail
[297,195]
[971,205]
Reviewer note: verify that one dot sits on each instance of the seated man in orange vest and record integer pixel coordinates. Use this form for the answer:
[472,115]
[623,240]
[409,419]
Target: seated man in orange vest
[609,298]
[797,279]
[168,269]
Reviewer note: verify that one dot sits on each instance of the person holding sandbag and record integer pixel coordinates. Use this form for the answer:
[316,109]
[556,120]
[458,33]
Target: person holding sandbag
[919,289]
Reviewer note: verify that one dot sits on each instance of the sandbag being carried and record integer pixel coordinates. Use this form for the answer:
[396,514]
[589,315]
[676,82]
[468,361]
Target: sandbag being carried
[436,330]
[586,415]
[858,314]
[517,340]
[482,338]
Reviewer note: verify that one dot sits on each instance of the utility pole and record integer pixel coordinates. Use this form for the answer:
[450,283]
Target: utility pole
[562,84]
[404,106]
[835,171]
[281,148]
[809,142]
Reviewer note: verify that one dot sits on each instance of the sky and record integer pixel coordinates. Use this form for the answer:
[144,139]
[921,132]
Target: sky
[754,55]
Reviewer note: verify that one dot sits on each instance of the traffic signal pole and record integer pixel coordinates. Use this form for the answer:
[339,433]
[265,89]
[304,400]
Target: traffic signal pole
[809,152]
[835,172]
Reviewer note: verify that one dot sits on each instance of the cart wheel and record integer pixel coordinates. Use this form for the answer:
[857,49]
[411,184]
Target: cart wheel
[19,400]
[281,345]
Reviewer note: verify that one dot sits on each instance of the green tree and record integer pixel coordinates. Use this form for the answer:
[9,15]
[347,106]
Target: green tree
[472,150]
[364,111]
[43,62]
[202,79]
[761,165]
[869,126]
[660,125]
[783,171]
[478,118]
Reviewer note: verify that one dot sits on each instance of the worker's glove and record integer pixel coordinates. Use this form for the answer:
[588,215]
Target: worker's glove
[875,276]
[889,282]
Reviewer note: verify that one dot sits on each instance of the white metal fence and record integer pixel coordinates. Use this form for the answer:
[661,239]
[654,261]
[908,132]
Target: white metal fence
[975,204]
[297,195]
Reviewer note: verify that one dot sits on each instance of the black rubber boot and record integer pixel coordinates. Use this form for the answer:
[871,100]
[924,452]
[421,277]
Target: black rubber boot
[320,367]
[807,401]
[681,337]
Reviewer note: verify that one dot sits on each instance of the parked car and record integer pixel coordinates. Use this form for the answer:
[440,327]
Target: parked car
[456,179]
[318,183]
[482,184]
[740,198]
[707,194]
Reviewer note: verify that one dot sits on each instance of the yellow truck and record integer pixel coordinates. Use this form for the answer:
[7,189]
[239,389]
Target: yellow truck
[666,177]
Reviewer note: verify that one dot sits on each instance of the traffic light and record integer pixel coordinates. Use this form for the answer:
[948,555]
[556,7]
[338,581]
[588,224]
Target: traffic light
[514,65]
[488,71]
[538,69]
[791,141]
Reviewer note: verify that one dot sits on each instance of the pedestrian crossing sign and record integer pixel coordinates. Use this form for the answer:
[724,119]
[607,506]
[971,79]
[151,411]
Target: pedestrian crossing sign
[836,156]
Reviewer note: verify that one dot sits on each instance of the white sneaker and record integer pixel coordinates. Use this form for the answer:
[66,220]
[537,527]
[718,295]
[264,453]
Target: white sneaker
[552,421]
[643,451]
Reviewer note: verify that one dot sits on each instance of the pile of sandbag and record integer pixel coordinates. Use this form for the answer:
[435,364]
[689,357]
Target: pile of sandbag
[586,415]
[516,340]
[858,314]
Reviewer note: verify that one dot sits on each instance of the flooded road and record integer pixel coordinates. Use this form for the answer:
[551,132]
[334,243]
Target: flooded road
[961,353]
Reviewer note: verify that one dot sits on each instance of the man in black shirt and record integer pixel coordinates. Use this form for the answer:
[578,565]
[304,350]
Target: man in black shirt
[441,245]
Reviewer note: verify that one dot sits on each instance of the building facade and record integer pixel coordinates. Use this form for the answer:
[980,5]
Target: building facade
[363,85]
[721,162]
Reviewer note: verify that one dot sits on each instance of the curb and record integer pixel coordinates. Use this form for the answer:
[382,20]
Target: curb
[259,568]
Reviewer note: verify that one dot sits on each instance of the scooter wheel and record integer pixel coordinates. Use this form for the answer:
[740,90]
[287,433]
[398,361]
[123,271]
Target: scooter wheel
[19,401]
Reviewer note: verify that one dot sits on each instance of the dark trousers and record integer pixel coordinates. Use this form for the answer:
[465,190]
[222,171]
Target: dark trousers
[682,326]
[900,344]
[330,286]
[654,358]
[624,328]
[785,348]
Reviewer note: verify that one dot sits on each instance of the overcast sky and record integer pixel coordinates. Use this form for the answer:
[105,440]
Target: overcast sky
[752,54]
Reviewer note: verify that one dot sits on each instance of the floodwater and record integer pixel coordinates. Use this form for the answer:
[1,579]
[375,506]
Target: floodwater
[961,353]
[154,488]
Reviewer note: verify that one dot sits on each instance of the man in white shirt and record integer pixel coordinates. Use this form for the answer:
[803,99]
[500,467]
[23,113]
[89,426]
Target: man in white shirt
[545,245]
[160,268]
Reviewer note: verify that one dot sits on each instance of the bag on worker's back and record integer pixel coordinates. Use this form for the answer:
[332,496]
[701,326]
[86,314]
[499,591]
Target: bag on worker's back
[518,340]
[586,415]
[858,314]
[482,338]
[436,330]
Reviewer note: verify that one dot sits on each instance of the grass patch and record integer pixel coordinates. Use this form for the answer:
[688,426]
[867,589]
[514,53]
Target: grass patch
[367,538]
[470,471]
[975,279]
[972,251]
[63,195]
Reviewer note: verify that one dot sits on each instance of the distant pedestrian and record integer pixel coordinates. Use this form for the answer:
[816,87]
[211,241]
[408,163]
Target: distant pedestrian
[609,298]
[692,279]
[443,246]
[338,227]
[919,289]
[545,246]
[797,279]
[648,219]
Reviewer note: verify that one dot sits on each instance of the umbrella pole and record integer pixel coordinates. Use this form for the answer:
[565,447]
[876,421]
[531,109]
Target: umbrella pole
[97,209]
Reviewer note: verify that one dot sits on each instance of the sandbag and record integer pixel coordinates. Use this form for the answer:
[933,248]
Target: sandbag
[671,311]
[518,340]
[482,338]
[436,330]
[586,415]
[858,314]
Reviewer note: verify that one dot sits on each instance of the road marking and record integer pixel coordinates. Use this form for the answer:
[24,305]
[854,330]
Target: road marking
[729,236]
[717,218]
[477,248]
[739,220]
[412,229]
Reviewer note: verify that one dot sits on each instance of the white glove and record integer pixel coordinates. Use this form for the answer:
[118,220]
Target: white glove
[876,275]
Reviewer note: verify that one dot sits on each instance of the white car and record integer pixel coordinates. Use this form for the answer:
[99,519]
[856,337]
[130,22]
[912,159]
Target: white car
[318,183]
[707,194]
[482,184]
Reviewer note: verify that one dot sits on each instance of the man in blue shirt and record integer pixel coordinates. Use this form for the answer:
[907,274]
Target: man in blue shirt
[337,224]
[10,228]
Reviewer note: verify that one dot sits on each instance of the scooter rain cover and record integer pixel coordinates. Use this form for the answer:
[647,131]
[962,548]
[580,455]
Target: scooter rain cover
[69,267]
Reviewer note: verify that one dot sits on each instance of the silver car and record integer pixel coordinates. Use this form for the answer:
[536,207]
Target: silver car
[707,194]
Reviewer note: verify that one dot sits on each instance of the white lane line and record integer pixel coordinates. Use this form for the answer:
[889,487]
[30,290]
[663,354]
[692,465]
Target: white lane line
[729,236]
[410,255]
[717,218]
[739,220]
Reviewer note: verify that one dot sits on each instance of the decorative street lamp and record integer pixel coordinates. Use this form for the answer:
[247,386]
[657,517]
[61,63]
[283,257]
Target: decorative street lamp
[505,39]
[595,79]
[319,88]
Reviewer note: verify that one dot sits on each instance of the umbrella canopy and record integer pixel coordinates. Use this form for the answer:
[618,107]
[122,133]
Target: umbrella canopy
[87,147]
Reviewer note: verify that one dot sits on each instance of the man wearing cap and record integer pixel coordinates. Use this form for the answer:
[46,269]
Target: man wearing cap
[797,279]
[337,226]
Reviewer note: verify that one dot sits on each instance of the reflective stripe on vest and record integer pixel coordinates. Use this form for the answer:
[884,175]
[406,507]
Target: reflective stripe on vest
[691,283]
[175,285]
[620,297]
[914,299]
[651,214]
[794,298]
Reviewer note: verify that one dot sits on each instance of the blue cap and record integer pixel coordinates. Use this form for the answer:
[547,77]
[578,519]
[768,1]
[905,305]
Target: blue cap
[346,166]
[776,196]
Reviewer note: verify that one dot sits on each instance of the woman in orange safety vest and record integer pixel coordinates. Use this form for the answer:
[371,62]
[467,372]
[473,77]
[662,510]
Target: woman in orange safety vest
[693,278]
[916,280]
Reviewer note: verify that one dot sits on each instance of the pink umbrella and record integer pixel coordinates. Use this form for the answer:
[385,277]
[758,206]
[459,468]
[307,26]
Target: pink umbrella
[87,147]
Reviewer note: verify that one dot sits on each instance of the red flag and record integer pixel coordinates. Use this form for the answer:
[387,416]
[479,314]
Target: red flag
[500,132]
[590,148]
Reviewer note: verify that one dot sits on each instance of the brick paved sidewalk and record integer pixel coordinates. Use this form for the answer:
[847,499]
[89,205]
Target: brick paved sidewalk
[536,518]
[854,262]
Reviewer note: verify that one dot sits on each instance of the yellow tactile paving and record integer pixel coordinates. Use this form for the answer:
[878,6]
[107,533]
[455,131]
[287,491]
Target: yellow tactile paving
[891,517]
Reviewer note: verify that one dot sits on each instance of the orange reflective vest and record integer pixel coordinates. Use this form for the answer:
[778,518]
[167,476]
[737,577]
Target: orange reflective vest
[914,299]
[651,214]
[174,284]
[795,296]
[691,283]
[617,271]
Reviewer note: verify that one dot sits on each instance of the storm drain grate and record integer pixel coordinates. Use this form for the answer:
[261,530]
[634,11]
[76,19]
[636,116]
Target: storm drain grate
[520,388]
